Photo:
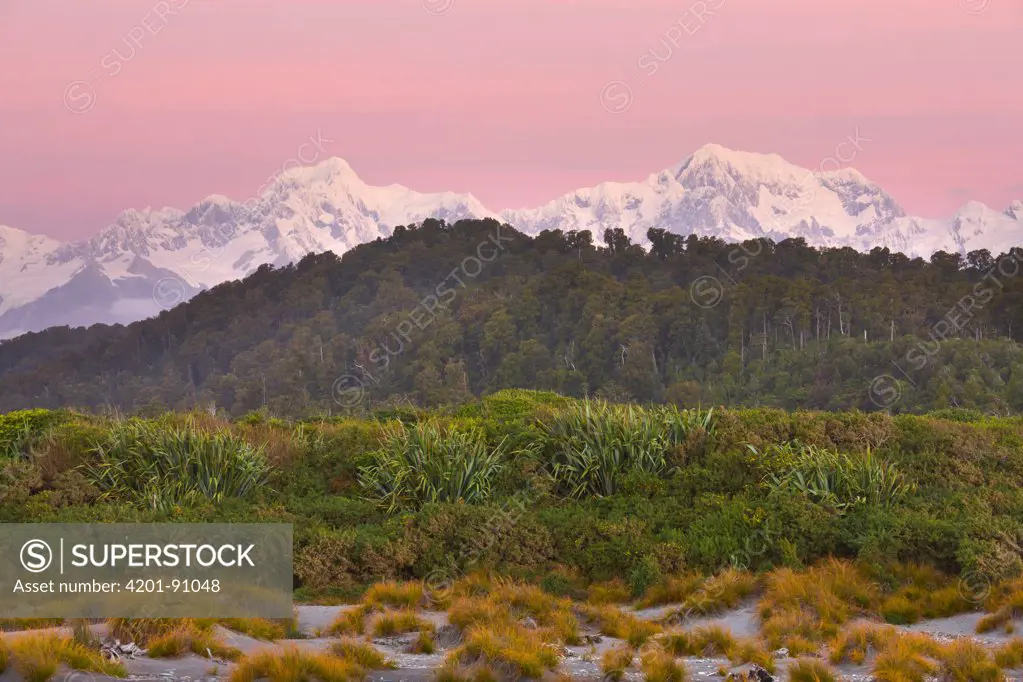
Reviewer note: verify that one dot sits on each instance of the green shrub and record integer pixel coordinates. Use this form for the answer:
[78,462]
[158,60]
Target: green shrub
[958,414]
[645,575]
[835,479]
[164,467]
[559,584]
[592,447]
[19,429]
[425,463]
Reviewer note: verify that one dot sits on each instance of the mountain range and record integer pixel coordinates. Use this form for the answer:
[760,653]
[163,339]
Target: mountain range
[151,260]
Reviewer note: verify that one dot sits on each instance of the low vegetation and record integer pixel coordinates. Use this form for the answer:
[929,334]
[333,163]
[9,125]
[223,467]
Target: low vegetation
[38,657]
[593,447]
[161,467]
[545,516]
[616,660]
[424,463]
[292,665]
[811,670]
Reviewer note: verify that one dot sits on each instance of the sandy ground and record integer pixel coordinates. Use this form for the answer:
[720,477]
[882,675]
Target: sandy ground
[580,662]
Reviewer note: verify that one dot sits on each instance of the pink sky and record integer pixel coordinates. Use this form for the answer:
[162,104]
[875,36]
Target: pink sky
[500,98]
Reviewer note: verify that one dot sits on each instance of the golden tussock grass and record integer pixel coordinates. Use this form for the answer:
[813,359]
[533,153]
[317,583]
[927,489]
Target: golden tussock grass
[1010,655]
[671,590]
[615,661]
[965,660]
[424,644]
[506,647]
[361,654]
[292,665]
[390,593]
[905,659]
[720,592]
[855,643]
[714,640]
[466,612]
[474,584]
[142,630]
[659,665]
[815,603]
[16,624]
[614,622]
[924,592]
[610,592]
[38,657]
[350,621]
[263,628]
[811,670]
[190,637]
[1005,604]
[509,602]
[397,622]
[453,672]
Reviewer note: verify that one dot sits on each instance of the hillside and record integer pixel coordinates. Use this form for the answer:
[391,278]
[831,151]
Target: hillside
[437,314]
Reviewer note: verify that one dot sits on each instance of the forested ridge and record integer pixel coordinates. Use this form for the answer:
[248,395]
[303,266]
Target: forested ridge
[436,314]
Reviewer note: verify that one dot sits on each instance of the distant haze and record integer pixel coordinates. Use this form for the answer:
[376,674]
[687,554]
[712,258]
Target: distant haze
[179,99]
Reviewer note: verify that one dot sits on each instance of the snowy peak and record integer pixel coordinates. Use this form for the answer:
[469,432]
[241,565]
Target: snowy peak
[714,160]
[1015,210]
[732,195]
[152,259]
[14,241]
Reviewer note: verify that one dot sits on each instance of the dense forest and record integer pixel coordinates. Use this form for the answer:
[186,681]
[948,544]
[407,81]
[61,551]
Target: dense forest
[437,314]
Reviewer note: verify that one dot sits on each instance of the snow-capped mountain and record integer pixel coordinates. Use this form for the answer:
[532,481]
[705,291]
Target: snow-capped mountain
[153,259]
[741,195]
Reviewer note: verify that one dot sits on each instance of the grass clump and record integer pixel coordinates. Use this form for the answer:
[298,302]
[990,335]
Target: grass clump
[424,644]
[965,660]
[16,624]
[161,467]
[361,654]
[811,606]
[350,621]
[591,447]
[425,463]
[506,647]
[397,622]
[615,661]
[453,672]
[38,657]
[670,590]
[190,637]
[1010,655]
[720,592]
[614,622]
[142,631]
[509,602]
[854,644]
[609,592]
[391,593]
[466,612]
[293,665]
[1005,605]
[907,658]
[837,480]
[660,666]
[263,628]
[714,640]
[925,593]
[811,670]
